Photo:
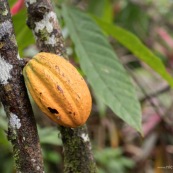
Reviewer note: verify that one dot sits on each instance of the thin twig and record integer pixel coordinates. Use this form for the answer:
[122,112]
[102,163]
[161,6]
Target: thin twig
[156,93]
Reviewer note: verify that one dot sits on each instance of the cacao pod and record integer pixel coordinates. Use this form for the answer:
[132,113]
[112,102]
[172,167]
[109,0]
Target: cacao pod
[58,89]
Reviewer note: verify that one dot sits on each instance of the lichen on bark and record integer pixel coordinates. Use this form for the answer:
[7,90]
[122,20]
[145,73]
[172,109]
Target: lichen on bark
[43,22]
[78,157]
[22,129]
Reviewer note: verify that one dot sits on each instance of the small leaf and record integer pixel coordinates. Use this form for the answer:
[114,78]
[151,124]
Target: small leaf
[104,72]
[131,42]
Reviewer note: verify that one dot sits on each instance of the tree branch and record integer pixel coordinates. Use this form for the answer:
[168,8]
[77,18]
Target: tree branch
[43,22]
[77,147]
[22,131]
[78,156]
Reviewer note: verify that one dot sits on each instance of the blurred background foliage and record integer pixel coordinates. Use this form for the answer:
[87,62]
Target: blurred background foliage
[116,146]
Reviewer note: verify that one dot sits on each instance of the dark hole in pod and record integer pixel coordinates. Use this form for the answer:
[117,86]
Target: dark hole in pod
[53,111]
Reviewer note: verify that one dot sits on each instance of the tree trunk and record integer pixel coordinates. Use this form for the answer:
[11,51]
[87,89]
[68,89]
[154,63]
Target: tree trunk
[22,131]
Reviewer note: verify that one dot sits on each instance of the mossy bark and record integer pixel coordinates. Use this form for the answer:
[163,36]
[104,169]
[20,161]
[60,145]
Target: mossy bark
[22,131]
[78,157]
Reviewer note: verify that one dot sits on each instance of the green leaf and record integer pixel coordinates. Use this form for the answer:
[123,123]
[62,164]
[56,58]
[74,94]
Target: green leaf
[49,135]
[108,12]
[24,35]
[99,62]
[132,18]
[101,106]
[101,8]
[131,42]
[96,7]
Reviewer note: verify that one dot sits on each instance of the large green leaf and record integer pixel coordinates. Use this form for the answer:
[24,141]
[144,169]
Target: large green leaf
[132,42]
[99,62]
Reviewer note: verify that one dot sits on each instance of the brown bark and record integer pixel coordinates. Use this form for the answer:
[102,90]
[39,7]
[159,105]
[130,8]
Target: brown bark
[22,131]
[43,22]
[78,157]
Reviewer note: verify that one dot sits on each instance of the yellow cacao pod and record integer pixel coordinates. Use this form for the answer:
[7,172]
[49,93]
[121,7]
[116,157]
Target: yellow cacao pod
[58,89]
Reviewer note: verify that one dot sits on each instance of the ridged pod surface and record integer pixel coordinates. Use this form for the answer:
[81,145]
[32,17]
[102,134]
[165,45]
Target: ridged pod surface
[58,89]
